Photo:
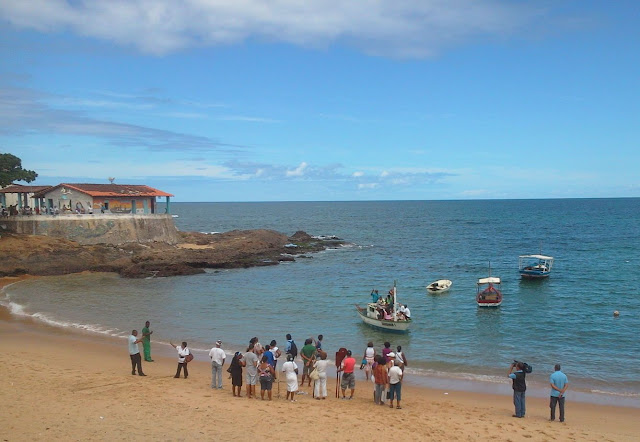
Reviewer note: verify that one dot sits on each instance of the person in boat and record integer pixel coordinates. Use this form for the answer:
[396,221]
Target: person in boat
[401,315]
[407,312]
[374,295]
[387,314]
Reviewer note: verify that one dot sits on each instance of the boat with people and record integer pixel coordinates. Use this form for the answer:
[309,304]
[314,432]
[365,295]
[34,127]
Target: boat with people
[386,313]
[489,291]
[439,286]
[534,266]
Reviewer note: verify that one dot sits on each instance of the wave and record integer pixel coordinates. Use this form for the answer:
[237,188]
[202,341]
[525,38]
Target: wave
[19,310]
[459,376]
[625,394]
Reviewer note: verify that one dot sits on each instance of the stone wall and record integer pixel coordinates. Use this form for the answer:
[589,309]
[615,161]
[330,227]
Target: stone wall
[97,228]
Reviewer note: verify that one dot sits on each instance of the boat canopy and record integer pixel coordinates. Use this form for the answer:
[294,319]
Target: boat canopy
[489,280]
[547,258]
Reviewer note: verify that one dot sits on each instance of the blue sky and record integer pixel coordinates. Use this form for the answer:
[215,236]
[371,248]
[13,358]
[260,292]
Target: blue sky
[249,100]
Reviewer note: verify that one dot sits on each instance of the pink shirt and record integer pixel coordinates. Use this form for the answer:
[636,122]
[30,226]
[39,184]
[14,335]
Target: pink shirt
[349,364]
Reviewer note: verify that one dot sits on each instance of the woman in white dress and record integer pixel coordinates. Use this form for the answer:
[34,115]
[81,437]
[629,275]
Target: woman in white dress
[290,369]
[320,390]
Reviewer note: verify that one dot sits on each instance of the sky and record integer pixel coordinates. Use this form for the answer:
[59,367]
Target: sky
[326,100]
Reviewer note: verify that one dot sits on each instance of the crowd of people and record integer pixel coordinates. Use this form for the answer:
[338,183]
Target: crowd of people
[384,370]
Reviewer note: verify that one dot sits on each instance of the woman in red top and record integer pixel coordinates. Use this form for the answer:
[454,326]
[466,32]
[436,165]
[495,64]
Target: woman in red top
[381,378]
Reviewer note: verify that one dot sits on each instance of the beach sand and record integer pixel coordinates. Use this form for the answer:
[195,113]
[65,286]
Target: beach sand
[62,385]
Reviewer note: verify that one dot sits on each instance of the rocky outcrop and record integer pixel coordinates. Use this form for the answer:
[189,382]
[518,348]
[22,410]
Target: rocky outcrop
[194,252]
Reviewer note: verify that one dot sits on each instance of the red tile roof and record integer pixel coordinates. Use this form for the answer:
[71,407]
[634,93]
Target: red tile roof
[110,190]
[19,188]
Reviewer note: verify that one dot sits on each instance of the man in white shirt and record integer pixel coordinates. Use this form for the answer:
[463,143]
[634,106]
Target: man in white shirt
[134,353]
[183,352]
[407,312]
[217,356]
[395,384]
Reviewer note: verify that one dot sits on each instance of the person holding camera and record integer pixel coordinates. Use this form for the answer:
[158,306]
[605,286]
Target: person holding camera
[519,386]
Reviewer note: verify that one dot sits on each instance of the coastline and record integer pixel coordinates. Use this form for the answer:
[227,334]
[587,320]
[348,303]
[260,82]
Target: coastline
[65,384]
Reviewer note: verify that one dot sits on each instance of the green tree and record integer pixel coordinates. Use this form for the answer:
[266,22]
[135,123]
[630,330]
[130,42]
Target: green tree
[11,170]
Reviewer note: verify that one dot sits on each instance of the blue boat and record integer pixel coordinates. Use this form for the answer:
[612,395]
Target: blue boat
[535,266]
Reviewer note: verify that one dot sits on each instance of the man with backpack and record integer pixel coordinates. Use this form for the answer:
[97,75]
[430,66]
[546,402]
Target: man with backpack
[519,386]
[291,348]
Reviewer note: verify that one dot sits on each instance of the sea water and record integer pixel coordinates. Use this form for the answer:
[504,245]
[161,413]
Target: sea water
[567,318]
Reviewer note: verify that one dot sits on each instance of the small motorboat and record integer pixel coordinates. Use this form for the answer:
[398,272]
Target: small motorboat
[489,293]
[534,266]
[385,316]
[439,286]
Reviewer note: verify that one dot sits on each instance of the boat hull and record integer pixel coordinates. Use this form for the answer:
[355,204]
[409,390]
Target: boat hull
[439,286]
[489,297]
[534,275]
[489,304]
[381,324]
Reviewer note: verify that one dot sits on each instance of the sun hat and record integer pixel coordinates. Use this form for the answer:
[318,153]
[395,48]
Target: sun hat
[391,355]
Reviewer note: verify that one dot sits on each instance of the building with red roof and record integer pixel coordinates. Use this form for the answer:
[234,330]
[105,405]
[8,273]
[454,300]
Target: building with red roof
[106,198]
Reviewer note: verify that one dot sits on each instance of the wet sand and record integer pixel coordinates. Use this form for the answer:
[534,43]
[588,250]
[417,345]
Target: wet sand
[63,385]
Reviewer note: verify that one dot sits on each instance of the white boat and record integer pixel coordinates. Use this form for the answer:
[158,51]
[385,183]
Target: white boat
[535,266]
[373,314]
[439,286]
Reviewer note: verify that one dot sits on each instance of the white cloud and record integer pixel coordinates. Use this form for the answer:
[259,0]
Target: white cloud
[358,174]
[402,28]
[384,174]
[298,171]
[368,185]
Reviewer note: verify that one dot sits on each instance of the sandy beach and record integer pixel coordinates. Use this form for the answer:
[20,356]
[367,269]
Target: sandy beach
[62,385]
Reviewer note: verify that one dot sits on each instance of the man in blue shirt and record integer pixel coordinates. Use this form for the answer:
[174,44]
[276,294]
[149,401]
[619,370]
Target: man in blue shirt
[519,387]
[559,384]
[269,354]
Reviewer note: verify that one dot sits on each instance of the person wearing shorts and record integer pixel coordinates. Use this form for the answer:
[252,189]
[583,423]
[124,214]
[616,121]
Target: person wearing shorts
[395,385]
[251,363]
[348,376]
[266,375]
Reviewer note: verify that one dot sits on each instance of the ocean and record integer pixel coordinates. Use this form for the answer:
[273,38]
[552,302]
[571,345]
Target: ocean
[567,318]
